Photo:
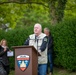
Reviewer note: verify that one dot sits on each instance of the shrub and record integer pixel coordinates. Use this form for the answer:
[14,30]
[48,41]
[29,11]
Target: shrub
[64,44]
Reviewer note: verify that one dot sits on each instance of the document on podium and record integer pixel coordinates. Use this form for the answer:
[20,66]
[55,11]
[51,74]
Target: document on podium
[10,53]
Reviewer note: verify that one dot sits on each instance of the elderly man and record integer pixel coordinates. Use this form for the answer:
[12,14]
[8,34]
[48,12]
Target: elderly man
[39,41]
[50,50]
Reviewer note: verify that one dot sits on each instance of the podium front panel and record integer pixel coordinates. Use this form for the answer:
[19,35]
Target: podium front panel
[33,61]
[23,51]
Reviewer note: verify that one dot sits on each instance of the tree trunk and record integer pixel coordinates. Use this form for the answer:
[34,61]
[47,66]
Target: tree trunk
[57,10]
[52,9]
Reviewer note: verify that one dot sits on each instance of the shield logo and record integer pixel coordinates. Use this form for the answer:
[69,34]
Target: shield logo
[23,62]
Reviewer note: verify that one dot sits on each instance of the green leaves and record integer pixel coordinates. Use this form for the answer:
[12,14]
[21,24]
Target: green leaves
[20,13]
[10,13]
[64,44]
[70,10]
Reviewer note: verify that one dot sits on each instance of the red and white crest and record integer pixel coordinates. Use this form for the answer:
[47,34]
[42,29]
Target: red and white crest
[23,62]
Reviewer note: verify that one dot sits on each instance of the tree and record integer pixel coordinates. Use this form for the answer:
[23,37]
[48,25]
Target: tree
[57,8]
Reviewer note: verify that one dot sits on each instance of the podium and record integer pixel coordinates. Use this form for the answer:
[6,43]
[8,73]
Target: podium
[26,60]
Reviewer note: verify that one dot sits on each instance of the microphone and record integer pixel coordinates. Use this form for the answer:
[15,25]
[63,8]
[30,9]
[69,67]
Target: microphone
[36,40]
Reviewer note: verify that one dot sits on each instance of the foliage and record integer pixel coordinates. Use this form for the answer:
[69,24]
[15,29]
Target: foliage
[23,12]
[70,10]
[36,15]
[17,15]
[10,14]
[64,42]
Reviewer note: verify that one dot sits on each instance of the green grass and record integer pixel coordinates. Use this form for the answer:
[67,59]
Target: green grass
[12,73]
[57,71]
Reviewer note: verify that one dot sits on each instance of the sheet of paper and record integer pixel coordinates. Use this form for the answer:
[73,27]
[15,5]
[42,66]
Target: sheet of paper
[10,53]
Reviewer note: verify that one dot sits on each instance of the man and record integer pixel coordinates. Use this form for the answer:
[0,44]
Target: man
[39,41]
[50,49]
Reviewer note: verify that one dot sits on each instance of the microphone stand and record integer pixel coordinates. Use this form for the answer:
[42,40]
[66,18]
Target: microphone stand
[37,52]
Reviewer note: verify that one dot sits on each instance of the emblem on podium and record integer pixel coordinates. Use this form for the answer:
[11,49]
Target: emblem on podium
[23,62]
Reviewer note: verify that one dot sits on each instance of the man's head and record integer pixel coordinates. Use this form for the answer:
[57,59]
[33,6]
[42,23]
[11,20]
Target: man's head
[37,29]
[47,31]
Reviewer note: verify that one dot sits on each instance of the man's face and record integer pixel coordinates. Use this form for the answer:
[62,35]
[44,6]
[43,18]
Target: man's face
[46,32]
[37,29]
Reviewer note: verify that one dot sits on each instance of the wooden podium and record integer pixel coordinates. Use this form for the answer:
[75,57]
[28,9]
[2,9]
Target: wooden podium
[26,60]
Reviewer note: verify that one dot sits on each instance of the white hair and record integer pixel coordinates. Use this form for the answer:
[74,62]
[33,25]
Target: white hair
[47,29]
[37,24]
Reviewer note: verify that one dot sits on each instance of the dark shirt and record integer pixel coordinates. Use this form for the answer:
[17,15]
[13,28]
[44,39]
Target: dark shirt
[44,43]
[50,44]
[3,56]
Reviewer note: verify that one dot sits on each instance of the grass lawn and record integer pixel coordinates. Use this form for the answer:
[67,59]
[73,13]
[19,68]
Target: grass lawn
[57,71]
